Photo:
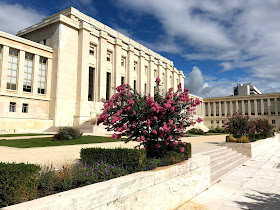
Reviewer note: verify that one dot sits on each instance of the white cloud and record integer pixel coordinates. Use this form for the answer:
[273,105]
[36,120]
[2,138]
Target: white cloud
[14,17]
[238,34]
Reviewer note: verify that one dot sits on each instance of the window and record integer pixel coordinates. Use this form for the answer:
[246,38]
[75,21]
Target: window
[217,121]
[223,108]
[217,109]
[273,122]
[44,42]
[24,108]
[272,106]
[228,107]
[259,106]
[122,80]
[211,108]
[123,62]
[109,57]
[234,106]
[135,66]
[42,75]
[252,102]
[278,105]
[145,89]
[155,73]
[246,107]
[146,70]
[134,85]
[12,107]
[206,109]
[12,69]
[265,106]
[28,72]
[108,86]
[239,106]
[91,51]
[91,83]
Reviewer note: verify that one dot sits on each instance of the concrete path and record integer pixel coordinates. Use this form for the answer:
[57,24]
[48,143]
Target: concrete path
[59,155]
[255,185]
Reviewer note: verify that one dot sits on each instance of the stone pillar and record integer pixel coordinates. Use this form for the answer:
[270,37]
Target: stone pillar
[102,73]
[242,107]
[231,108]
[214,109]
[269,106]
[151,78]
[117,65]
[130,61]
[4,69]
[256,107]
[36,64]
[20,71]
[262,107]
[220,109]
[209,109]
[141,72]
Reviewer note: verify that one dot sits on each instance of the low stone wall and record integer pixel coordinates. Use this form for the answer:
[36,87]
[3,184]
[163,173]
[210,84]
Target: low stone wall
[163,188]
[253,149]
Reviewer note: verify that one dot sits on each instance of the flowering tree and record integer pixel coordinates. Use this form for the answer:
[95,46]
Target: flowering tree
[152,121]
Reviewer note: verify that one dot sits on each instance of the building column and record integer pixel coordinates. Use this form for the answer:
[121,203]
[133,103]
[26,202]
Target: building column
[242,107]
[231,108]
[48,78]
[268,106]
[4,69]
[141,72]
[220,108]
[20,72]
[117,65]
[102,73]
[35,75]
[256,107]
[214,109]
[209,109]
[262,107]
[151,78]
[130,62]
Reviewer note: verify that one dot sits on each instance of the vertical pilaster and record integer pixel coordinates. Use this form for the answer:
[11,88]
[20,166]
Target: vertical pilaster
[209,110]
[242,107]
[151,77]
[269,106]
[117,64]
[4,69]
[35,76]
[220,109]
[256,107]
[231,108]
[214,109]
[141,72]
[130,62]
[262,107]
[20,72]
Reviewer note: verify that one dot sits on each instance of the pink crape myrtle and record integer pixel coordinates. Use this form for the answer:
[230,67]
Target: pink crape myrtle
[152,121]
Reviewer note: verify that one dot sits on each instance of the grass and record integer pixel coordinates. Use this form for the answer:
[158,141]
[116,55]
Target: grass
[24,134]
[207,134]
[46,142]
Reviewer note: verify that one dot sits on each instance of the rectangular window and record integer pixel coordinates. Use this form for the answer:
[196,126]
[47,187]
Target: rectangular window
[24,108]
[108,86]
[12,107]
[206,109]
[12,69]
[234,106]
[228,107]
[135,66]
[122,80]
[1,47]
[42,75]
[145,89]
[246,107]
[217,121]
[109,57]
[123,62]
[146,70]
[223,108]
[91,83]
[91,52]
[28,73]
[239,106]
[259,106]
[272,106]
[212,108]
[252,102]
[217,109]
[273,122]
[134,85]
[265,106]
[278,105]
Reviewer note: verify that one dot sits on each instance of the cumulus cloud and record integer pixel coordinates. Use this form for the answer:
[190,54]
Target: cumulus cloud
[237,34]
[14,17]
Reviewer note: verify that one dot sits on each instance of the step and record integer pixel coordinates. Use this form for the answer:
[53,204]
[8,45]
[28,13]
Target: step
[212,151]
[222,157]
[219,166]
[221,153]
[219,174]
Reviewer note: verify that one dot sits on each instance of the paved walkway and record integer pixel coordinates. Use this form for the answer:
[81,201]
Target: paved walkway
[255,186]
[59,155]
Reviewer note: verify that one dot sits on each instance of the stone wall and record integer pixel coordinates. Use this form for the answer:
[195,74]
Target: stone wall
[163,188]
[253,149]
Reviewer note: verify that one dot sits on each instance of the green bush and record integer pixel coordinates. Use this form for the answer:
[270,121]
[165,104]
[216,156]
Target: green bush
[67,133]
[217,130]
[64,178]
[131,159]
[196,131]
[46,181]
[18,183]
[243,139]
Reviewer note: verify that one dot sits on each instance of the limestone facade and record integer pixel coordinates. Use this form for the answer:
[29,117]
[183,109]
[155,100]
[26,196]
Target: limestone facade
[265,106]
[82,61]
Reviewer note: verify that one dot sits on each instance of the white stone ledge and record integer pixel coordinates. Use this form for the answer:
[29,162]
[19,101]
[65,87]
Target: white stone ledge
[162,188]
[253,149]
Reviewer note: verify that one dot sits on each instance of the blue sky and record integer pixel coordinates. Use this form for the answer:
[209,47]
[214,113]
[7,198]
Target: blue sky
[216,43]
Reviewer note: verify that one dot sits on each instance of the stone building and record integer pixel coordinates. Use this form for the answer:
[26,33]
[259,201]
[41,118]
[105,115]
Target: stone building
[265,106]
[54,73]
[245,89]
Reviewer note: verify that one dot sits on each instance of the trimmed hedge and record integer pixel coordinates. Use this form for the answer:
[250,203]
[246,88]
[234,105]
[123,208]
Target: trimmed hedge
[131,159]
[18,183]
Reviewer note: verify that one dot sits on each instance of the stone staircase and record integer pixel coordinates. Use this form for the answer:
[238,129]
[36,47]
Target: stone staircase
[87,126]
[223,161]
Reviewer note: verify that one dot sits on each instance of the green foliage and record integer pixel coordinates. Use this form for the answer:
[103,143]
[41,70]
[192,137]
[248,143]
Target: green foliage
[64,178]
[243,139]
[131,159]
[238,124]
[18,183]
[196,131]
[230,138]
[47,181]
[217,130]
[67,133]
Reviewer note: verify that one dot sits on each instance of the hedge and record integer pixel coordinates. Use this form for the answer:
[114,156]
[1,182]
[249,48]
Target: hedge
[131,159]
[18,183]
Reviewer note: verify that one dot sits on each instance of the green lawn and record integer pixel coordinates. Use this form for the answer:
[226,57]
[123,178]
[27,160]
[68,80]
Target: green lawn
[207,134]
[45,142]
[24,134]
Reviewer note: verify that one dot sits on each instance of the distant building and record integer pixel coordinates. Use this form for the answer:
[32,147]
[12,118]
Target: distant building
[245,89]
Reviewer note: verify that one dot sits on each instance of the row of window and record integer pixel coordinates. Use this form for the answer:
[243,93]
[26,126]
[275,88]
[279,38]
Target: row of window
[12,107]
[13,69]
[238,103]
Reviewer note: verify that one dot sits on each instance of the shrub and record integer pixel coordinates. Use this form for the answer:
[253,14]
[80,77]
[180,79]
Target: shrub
[230,138]
[238,124]
[64,178]
[97,172]
[18,183]
[243,139]
[217,130]
[47,181]
[164,117]
[262,126]
[196,131]
[131,159]
[67,133]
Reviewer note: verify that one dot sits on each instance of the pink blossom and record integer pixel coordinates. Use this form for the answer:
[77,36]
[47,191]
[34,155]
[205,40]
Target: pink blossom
[154,132]
[114,136]
[199,120]
[131,102]
[175,143]
[182,149]
[180,87]
[142,138]
[125,126]
[133,125]
[150,101]
[149,122]
[170,122]
[157,80]
[166,143]
[115,119]
[134,112]
[172,109]
[165,127]
[155,118]
[158,145]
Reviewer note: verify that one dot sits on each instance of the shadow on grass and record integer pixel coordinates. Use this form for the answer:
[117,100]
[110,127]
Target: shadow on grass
[260,200]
